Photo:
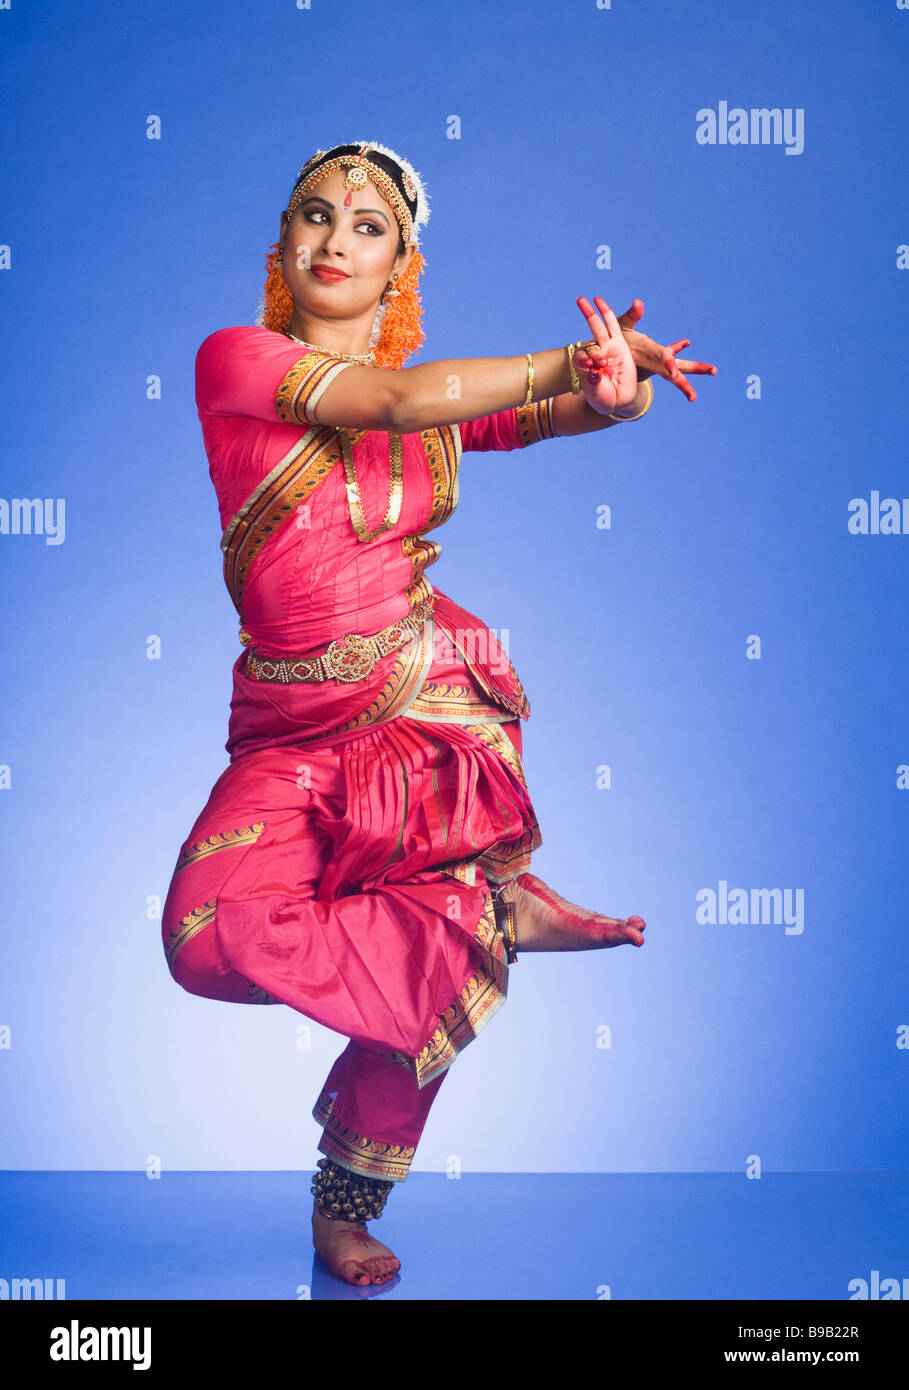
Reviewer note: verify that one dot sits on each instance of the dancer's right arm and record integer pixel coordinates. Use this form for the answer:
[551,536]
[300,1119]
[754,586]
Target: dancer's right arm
[439,393]
[467,388]
[251,371]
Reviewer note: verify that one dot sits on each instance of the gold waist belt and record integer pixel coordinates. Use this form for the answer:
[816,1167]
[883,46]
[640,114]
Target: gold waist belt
[349,658]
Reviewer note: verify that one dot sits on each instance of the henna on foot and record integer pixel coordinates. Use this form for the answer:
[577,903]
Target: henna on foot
[545,921]
[350,1252]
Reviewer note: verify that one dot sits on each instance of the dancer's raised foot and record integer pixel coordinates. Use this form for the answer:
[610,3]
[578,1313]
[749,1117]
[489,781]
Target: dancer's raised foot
[351,1253]
[545,921]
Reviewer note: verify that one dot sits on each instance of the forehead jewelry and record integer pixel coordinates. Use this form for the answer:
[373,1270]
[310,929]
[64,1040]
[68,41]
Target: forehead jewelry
[358,172]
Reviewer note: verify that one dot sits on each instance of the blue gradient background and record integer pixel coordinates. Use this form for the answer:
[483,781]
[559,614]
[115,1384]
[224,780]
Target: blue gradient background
[729,518]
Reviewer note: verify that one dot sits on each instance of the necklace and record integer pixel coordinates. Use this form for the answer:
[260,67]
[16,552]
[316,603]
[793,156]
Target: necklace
[396,489]
[367,359]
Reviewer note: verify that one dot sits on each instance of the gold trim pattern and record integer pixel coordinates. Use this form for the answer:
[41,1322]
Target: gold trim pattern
[360,1154]
[273,502]
[246,835]
[519,705]
[444,702]
[421,553]
[506,858]
[464,870]
[188,927]
[442,451]
[418,593]
[495,737]
[477,1002]
[535,422]
[301,386]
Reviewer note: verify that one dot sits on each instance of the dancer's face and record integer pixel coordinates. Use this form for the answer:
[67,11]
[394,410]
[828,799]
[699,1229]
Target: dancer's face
[362,240]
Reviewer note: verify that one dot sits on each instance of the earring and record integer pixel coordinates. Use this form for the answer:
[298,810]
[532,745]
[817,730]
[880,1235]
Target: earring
[392,293]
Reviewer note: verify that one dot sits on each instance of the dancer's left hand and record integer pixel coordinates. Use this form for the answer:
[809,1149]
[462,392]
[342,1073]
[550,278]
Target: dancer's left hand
[607,366]
[650,358]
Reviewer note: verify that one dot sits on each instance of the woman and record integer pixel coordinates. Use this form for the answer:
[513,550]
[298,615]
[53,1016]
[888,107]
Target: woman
[364,857]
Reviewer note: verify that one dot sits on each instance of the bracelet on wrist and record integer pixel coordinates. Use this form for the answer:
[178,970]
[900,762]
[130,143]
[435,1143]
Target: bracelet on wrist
[612,415]
[575,379]
[528,397]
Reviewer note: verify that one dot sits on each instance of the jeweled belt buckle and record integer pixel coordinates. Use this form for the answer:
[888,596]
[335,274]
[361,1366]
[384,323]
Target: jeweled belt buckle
[349,658]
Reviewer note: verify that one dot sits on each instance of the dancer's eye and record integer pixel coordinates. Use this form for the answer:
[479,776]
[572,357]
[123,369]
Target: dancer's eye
[320,212]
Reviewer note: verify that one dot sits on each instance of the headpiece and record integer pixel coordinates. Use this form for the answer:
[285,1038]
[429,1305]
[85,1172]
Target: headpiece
[396,331]
[401,186]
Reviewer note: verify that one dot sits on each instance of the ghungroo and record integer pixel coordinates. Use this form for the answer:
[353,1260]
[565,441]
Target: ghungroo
[342,1195]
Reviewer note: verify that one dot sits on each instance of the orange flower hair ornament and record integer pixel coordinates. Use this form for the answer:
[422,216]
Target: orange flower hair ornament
[397,329]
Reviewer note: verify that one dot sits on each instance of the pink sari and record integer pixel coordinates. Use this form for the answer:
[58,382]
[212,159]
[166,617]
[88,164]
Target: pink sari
[343,860]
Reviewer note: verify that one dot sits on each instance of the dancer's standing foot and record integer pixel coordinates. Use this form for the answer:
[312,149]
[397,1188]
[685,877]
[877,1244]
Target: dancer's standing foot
[350,1252]
[545,921]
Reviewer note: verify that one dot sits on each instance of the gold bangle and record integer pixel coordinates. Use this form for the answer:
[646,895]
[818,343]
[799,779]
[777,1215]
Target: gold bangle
[527,399]
[575,379]
[648,384]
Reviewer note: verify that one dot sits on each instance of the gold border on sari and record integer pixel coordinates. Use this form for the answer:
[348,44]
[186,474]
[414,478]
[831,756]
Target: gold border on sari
[188,927]
[479,999]
[226,839]
[519,705]
[373,1157]
[289,484]
[421,553]
[495,737]
[444,702]
[442,450]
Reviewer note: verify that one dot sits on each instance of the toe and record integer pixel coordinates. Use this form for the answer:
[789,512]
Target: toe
[379,1270]
[354,1272]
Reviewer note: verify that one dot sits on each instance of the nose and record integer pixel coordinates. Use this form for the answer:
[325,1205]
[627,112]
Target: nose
[334,243]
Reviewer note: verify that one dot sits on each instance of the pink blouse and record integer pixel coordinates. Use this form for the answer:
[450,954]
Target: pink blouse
[308,576]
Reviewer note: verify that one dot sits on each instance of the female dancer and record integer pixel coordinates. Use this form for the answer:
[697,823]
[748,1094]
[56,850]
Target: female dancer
[364,857]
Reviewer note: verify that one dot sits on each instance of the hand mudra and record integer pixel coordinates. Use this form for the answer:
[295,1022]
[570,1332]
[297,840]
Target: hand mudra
[606,368]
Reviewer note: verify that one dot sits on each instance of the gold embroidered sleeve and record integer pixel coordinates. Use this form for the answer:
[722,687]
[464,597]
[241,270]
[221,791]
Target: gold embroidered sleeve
[534,422]
[301,387]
